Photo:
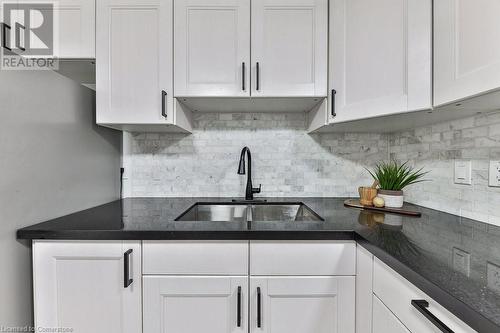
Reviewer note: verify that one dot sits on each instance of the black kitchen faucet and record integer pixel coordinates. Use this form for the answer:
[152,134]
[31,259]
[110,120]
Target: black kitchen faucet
[241,171]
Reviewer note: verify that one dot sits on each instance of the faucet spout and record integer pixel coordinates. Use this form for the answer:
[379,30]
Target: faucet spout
[250,190]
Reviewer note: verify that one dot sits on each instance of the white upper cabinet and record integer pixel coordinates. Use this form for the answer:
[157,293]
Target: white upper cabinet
[380,58]
[134,77]
[88,286]
[289,47]
[466,49]
[134,60]
[288,55]
[76,28]
[212,47]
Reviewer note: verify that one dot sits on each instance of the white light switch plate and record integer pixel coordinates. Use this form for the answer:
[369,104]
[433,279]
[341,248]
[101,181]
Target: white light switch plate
[463,172]
[494,178]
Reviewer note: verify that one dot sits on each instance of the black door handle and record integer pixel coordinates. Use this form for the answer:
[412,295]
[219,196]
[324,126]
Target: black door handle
[422,305]
[334,92]
[257,77]
[238,318]
[127,281]
[163,103]
[243,73]
[259,308]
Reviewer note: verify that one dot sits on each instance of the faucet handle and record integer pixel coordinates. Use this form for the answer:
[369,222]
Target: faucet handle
[257,189]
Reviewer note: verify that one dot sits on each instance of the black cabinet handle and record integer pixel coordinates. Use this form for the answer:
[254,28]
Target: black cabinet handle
[238,318]
[257,77]
[334,92]
[243,73]
[163,103]
[127,281]
[5,27]
[422,305]
[259,308]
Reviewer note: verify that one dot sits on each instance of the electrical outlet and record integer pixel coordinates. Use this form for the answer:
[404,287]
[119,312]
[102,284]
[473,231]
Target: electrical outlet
[493,273]
[463,172]
[494,178]
[461,261]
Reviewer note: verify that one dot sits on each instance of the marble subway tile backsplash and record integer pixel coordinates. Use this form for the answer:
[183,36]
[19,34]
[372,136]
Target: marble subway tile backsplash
[436,148]
[285,159]
[289,162]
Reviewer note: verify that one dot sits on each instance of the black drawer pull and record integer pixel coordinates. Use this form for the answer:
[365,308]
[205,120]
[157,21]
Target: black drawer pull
[243,79]
[422,305]
[259,308]
[257,76]
[163,103]
[334,92]
[127,281]
[238,319]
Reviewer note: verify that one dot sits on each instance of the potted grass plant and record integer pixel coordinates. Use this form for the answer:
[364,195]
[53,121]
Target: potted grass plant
[392,178]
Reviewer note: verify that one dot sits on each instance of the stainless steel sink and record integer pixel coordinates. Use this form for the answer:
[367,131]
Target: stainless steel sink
[215,212]
[249,212]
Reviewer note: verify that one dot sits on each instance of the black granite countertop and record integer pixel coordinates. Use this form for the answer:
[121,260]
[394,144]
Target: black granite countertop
[428,251]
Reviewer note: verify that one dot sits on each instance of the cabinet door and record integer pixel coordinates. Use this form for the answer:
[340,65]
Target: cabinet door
[74,24]
[380,57]
[76,28]
[134,62]
[466,49]
[384,321]
[212,48]
[364,290]
[302,304]
[193,304]
[397,294]
[80,285]
[289,47]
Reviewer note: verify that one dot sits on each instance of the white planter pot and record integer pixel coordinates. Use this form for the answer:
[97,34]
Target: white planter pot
[393,199]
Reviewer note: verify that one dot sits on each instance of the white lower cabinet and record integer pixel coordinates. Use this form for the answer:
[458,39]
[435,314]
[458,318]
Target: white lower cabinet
[240,292]
[302,258]
[193,304]
[384,321]
[218,304]
[96,286]
[302,304]
[398,294]
[401,298]
[87,286]
[387,302]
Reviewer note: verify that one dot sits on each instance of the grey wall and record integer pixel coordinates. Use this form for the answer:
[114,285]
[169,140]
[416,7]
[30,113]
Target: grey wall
[53,161]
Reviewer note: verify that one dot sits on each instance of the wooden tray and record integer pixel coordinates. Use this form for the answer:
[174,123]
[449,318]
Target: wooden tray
[354,203]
